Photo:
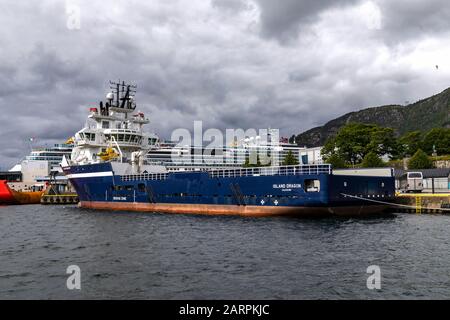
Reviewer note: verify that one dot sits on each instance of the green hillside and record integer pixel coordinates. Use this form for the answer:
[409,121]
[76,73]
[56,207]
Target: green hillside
[422,115]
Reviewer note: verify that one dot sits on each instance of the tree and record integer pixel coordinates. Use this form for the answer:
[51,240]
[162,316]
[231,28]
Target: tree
[355,140]
[420,160]
[372,160]
[253,160]
[292,139]
[439,138]
[336,162]
[410,143]
[290,160]
[250,163]
[383,142]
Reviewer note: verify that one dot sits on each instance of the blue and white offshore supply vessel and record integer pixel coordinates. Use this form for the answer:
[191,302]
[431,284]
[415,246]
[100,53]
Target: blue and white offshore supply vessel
[109,169]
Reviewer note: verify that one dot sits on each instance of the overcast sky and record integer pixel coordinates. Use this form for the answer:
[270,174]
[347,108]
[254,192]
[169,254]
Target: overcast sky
[287,64]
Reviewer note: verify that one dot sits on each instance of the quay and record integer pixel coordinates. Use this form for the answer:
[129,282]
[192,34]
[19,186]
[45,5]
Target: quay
[423,203]
[53,199]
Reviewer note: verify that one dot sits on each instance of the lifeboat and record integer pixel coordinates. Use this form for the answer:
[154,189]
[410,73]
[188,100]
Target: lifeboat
[10,196]
[108,155]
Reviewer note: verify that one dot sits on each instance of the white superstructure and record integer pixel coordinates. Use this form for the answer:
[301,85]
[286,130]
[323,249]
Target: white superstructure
[114,133]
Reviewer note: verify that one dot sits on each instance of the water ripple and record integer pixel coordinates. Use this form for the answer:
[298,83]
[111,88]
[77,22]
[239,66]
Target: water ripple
[124,255]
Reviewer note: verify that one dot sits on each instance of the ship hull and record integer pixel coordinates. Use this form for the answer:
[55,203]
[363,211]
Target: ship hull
[234,210]
[12,197]
[305,195]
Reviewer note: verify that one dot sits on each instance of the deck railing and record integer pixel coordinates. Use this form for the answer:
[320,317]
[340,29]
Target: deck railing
[271,171]
[144,176]
[242,172]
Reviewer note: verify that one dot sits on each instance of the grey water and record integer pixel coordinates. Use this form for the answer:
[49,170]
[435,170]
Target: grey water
[125,255]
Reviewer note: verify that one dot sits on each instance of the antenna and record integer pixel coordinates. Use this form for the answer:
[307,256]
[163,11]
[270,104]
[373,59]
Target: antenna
[122,93]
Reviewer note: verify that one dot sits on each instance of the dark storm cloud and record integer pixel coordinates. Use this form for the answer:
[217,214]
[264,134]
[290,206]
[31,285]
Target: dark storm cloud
[302,75]
[413,19]
[232,64]
[229,5]
[401,19]
[284,19]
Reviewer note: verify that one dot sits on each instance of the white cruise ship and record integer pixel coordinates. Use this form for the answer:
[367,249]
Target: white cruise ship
[41,166]
[176,158]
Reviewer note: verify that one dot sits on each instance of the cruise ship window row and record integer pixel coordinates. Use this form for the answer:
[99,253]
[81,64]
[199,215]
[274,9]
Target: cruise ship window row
[45,158]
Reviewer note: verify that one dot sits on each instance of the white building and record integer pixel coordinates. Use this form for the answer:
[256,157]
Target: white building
[311,155]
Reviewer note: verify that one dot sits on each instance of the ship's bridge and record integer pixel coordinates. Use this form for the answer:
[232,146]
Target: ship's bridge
[124,137]
[87,137]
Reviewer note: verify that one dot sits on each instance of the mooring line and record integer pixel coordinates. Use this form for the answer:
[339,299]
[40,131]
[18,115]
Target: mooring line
[392,204]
